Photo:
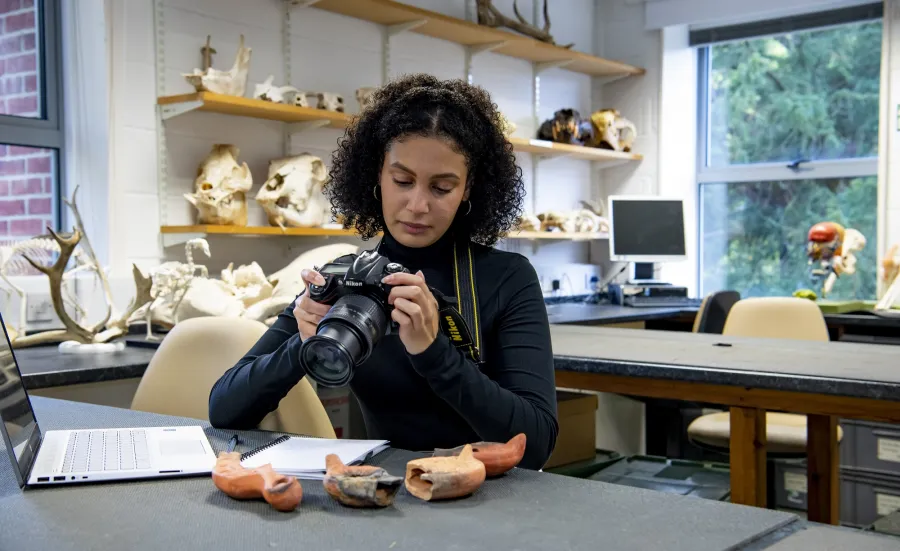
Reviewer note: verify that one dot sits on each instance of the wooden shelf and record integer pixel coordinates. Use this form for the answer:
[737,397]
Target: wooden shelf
[552,149]
[556,235]
[468,33]
[328,232]
[258,230]
[248,107]
[255,108]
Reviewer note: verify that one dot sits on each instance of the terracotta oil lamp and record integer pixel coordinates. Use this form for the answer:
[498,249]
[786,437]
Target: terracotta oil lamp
[280,491]
[359,485]
[435,478]
[497,457]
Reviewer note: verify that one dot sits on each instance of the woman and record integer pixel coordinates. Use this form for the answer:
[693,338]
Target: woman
[426,161]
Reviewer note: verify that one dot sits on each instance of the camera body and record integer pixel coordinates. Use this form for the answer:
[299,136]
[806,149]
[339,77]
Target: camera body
[361,274]
[359,316]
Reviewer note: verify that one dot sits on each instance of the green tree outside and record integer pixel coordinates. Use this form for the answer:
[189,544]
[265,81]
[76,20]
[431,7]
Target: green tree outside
[808,95]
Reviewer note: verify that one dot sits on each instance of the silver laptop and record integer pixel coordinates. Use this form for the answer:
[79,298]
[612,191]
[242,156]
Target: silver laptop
[73,456]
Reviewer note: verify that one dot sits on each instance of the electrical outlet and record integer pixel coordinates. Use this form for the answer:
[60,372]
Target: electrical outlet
[39,309]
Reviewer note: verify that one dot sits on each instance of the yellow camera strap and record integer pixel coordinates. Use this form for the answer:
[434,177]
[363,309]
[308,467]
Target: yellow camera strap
[466,299]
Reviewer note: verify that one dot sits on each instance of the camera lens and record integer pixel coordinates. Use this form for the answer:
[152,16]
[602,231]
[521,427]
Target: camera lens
[344,338]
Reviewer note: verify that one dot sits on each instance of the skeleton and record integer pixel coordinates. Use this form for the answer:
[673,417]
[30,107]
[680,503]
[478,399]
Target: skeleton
[292,194]
[266,91]
[220,188]
[172,279]
[490,16]
[248,283]
[364,96]
[890,282]
[612,131]
[112,325]
[330,101]
[232,82]
[507,126]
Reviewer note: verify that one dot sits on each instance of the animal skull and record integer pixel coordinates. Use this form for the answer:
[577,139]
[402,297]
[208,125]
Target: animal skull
[364,96]
[301,99]
[612,130]
[278,94]
[292,194]
[330,102]
[220,188]
[232,82]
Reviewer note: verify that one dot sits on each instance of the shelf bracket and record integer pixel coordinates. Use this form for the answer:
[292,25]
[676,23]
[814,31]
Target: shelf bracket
[472,51]
[172,110]
[173,239]
[398,28]
[544,65]
[611,78]
[297,127]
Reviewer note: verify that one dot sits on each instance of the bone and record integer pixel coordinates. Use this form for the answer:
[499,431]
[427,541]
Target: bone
[220,188]
[292,194]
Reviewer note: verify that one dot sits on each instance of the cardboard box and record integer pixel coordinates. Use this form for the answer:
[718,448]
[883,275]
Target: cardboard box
[577,419]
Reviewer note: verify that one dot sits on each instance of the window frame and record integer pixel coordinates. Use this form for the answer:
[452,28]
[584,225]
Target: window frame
[47,132]
[765,171]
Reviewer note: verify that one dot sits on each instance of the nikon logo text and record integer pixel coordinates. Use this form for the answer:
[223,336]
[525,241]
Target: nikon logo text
[353,283]
[454,331]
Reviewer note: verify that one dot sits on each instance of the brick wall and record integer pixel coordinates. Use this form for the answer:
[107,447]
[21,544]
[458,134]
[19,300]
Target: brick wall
[26,173]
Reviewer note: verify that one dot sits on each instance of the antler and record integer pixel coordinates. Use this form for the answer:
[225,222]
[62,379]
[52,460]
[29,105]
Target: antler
[142,295]
[54,273]
[490,16]
[95,264]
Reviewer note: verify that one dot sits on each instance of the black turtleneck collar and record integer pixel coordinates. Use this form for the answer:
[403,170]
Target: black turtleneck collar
[436,255]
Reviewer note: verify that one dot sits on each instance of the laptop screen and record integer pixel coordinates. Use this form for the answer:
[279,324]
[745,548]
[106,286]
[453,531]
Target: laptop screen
[19,427]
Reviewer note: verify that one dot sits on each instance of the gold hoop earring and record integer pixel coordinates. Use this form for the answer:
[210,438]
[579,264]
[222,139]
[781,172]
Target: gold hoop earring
[375,192]
[470,208]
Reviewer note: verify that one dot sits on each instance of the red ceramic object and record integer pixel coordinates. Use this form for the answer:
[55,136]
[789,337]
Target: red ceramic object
[359,485]
[497,457]
[281,492]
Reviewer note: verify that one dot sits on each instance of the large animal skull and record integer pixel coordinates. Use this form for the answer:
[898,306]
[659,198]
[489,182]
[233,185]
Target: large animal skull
[612,130]
[292,194]
[220,188]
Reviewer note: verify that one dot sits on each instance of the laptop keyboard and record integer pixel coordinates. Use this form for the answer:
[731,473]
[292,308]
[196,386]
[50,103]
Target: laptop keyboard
[106,450]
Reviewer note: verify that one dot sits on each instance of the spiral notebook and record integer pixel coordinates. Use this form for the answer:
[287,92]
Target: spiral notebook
[304,457]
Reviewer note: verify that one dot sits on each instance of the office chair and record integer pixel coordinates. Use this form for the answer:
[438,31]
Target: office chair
[714,311]
[776,318]
[192,357]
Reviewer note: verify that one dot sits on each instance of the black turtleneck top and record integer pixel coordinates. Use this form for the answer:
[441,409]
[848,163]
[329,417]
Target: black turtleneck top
[439,398]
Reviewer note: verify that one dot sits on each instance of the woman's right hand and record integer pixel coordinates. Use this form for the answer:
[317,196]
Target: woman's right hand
[307,311]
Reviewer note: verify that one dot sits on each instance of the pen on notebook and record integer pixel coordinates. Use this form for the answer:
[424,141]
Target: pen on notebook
[233,443]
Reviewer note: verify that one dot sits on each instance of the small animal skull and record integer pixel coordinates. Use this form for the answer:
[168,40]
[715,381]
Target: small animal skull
[220,188]
[330,102]
[612,130]
[268,92]
[364,96]
[292,194]
[301,99]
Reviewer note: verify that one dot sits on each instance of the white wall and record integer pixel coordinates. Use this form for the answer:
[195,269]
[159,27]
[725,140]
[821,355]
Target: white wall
[120,201]
[329,52]
[706,13]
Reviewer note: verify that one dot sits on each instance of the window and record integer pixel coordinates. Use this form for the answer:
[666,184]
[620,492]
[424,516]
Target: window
[31,127]
[788,138]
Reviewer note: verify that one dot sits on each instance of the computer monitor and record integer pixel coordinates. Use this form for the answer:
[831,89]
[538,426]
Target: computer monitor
[646,229]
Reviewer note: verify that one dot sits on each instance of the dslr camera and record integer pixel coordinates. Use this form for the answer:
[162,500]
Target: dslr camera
[359,317]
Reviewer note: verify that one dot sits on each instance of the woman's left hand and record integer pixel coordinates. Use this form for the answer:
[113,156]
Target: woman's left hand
[415,310]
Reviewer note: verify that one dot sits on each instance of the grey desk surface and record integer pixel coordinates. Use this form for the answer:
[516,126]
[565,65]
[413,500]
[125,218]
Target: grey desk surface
[838,368]
[44,366]
[522,510]
[830,538]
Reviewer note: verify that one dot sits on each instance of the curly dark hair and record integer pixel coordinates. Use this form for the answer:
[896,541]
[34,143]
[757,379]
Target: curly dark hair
[423,105]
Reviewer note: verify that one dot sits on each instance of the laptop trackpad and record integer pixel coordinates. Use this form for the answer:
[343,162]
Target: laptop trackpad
[169,448]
